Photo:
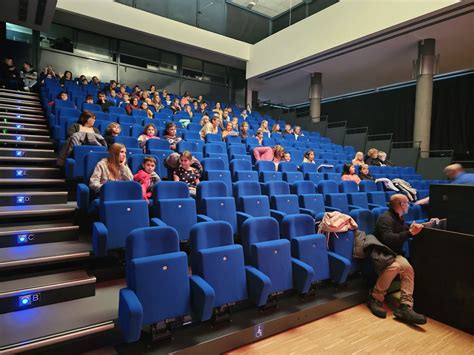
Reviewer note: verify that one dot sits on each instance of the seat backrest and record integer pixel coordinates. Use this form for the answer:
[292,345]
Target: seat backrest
[214,257]
[308,168]
[328,187]
[265,165]
[90,161]
[348,186]
[161,284]
[287,167]
[117,110]
[171,190]
[246,188]
[338,200]
[367,186]
[256,206]
[273,188]
[80,152]
[129,142]
[313,202]
[285,203]
[120,190]
[256,230]
[358,199]
[191,146]
[212,164]
[303,188]
[211,137]
[296,225]
[240,165]
[206,235]
[157,144]
[121,217]
[210,189]
[139,113]
[221,175]
[237,149]
[179,213]
[149,241]
[214,148]
[91,107]
[293,176]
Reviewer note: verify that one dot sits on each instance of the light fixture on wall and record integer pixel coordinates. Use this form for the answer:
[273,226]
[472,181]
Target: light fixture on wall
[252,4]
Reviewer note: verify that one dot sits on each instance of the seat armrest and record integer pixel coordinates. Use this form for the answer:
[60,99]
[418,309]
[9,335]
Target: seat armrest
[156,222]
[258,285]
[302,275]
[277,215]
[130,315]
[99,239]
[202,298]
[203,218]
[82,197]
[70,164]
[339,267]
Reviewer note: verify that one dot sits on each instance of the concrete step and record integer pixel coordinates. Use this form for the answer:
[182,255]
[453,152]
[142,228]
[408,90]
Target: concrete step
[20,294]
[27,198]
[39,254]
[29,172]
[28,233]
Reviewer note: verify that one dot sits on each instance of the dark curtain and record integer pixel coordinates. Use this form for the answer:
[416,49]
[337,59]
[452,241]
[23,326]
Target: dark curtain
[393,111]
[452,119]
[390,111]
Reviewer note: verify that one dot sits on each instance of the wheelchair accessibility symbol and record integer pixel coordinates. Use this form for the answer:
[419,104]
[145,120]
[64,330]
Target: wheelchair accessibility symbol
[259,331]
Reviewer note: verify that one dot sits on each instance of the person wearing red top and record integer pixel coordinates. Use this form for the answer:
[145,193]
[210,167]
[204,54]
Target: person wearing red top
[147,177]
[348,173]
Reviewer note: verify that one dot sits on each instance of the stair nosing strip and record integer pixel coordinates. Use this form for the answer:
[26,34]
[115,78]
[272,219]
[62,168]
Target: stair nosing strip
[89,280]
[58,337]
[23,135]
[40,230]
[28,149]
[29,167]
[34,193]
[36,212]
[22,262]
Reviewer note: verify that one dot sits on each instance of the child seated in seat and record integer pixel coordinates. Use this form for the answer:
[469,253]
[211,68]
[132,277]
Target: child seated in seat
[147,177]
[113,130]
[186,173]
[149,132]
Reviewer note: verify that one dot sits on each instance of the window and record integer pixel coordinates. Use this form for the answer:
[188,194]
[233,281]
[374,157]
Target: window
[192,68]
[169,62]
[58,37]
[138,55]
[19,33]
[95,46]
[215,73]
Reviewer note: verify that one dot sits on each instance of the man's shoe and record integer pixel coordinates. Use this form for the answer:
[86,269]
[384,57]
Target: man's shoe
[376,307]
[408,315]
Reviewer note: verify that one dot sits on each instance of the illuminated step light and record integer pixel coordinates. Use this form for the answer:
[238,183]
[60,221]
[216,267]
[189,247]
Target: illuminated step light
[27,300]
[18,116]
[19,173]
[19,138]
[19,126]
[24,300]
[22,199]
[19,153]
[22,238]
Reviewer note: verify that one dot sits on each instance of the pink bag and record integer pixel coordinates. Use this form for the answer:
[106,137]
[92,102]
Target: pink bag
[336,222]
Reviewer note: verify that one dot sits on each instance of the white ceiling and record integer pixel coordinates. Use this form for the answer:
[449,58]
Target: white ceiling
[270,8]
[378,65]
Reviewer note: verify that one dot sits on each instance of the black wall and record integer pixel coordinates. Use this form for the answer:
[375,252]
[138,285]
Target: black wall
[393,111]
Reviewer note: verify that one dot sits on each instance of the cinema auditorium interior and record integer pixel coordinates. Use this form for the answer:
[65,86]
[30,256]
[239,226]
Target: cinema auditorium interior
[236,176]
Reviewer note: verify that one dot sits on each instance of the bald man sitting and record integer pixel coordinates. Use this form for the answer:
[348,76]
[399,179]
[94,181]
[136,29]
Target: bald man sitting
[456,175]
[392,231]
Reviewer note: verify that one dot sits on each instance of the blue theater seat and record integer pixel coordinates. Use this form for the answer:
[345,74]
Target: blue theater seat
[159,289]
[213,201]
[122,209]
[75,165]
[311,249]
[173,206]
[214,257]
[265,251]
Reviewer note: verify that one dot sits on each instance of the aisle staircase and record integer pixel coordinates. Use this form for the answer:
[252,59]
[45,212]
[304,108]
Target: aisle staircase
[39,236]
